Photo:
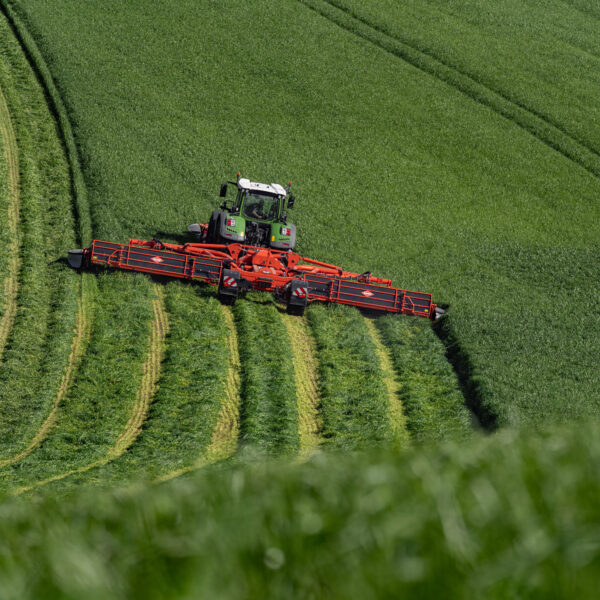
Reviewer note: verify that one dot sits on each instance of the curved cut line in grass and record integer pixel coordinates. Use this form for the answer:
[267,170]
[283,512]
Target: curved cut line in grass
[148,387]
[80,341]
[527,119]
[225,435]
[307,384]
[11,286]
[396,410]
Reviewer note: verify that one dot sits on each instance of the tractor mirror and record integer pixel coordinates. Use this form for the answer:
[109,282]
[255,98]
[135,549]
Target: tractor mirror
[223,191]
[291,201]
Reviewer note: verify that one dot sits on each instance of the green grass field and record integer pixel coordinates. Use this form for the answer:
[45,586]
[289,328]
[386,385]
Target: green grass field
[452,146]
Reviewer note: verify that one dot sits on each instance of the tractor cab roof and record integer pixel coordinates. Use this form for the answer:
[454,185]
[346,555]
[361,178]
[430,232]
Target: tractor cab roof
[252,186]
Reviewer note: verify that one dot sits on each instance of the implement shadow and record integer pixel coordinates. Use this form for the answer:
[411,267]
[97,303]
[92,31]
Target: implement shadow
[461,363]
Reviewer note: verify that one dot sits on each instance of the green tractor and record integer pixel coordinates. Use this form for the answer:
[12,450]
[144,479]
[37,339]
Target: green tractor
[257,217]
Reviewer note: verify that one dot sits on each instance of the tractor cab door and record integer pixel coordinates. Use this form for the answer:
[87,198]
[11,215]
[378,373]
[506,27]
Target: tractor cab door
[237,205]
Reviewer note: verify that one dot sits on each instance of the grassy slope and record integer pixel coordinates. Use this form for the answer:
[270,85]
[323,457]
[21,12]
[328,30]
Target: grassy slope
[354,407]
[166,101]
[39,341]
[105,390]
[484,518]
[184,409]
[269,412]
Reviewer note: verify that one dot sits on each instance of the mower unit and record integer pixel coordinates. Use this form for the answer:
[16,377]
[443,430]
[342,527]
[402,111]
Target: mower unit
[236,268]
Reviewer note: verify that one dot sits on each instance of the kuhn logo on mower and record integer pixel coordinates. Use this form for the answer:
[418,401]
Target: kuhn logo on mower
[367,293]
[156,259]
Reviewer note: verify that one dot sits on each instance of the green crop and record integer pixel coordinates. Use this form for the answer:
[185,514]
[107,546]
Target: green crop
[447,181]
[353,397]
[511,515]
[269,413]
[452,146]
[37,337]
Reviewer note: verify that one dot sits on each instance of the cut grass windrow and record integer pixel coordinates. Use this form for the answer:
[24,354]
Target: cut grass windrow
[269,413]
[139,410]
[194,416]
[82,334]
[224,441]
[427,386]
[105,389]
[354,400]
[37,332]
[549,133]
[307,384]
[396,411]
[11,243]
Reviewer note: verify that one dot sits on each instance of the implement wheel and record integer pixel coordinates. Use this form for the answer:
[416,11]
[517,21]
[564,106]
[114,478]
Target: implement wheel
[229,287]
[298,297]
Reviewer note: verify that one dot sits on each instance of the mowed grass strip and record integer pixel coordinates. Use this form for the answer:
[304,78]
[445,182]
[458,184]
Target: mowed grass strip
[105,391]
[306,377]
[269,413]
[146,391]
[354,400]
[428,388]
[38,345]
[9,234]
[225,436]
[194,417]
[80,341]
[392,385]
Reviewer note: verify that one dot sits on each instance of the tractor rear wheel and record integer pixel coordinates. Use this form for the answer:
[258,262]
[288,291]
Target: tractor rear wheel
[214,227]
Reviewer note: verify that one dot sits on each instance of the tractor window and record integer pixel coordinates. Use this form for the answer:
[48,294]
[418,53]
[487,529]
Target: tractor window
[260,206]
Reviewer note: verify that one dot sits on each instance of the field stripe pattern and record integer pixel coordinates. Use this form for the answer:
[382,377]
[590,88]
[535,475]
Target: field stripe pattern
[307,384]
[396,410]
[147,389]
[225,435]
[82,334]
[11,154]
[537,125]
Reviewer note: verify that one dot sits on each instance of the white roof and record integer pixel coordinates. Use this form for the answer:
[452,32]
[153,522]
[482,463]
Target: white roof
[274,188]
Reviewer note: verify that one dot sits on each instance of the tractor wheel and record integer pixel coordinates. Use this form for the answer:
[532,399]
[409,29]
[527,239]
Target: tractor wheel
[214,225]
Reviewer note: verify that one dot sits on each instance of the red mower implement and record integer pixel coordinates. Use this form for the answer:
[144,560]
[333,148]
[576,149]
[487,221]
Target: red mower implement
[237,268]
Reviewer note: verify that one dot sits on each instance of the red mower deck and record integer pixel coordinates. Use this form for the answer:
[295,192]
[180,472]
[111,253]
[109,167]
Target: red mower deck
[236,268]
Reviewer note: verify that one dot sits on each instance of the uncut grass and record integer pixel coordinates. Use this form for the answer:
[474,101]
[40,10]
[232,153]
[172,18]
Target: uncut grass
[105,389]
[478,518]
[269,410]
[396,171]
[39,342]
[184,410]
[428,387]
[488,42]
[354,402]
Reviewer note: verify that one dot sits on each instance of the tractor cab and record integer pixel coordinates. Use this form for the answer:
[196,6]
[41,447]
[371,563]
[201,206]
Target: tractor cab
[257,201]
[257,217]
